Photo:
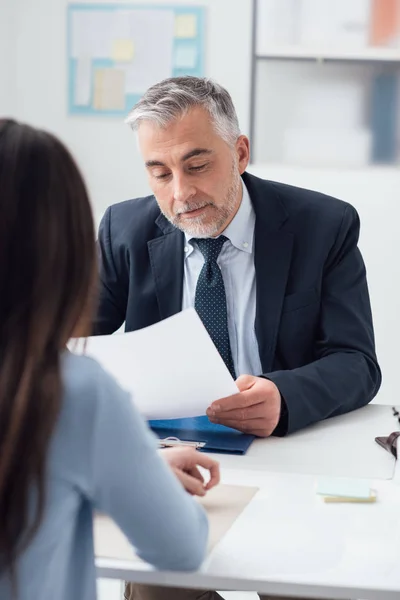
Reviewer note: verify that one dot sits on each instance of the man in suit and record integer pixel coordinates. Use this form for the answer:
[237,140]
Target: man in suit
[274,271]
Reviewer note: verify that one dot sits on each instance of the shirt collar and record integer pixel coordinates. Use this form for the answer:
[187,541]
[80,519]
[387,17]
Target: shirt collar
[240,230]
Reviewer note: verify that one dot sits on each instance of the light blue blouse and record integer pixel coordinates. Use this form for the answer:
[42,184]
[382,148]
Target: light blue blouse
[102,457]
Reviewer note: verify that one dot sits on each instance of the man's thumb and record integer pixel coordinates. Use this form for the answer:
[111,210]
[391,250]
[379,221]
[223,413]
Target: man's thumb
[245,382]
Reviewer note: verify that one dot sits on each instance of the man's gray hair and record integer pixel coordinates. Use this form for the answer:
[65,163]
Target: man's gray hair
[172,98]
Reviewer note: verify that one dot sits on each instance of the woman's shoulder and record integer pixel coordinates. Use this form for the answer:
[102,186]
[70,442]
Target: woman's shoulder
[90,398]
[87,384]
[81,372]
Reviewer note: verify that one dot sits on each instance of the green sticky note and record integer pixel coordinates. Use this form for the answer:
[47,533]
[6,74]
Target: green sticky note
[343,488]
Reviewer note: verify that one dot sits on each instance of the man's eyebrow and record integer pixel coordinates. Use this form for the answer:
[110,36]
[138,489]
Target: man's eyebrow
[191,154]
[196,152]
[154,163]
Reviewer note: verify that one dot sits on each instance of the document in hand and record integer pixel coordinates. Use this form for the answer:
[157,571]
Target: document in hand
[172,368]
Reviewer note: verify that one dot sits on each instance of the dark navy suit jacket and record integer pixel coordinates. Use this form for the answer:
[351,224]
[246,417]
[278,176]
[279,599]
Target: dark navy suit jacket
[313,317]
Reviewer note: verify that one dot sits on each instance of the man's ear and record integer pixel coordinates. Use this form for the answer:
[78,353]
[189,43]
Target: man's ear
[242,147]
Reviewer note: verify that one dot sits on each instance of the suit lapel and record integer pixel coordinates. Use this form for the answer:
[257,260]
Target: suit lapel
[272,261]
[272,258]
[166,259]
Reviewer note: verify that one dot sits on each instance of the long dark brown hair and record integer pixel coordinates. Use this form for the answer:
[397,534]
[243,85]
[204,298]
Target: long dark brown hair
[47,266]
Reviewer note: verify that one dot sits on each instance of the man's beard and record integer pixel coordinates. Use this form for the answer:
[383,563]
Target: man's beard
[202,226]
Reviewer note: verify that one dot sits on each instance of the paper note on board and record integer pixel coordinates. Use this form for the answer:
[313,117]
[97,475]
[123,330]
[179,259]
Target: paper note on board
[123,50]
[172,368]
[109,89]
[83,81]
[186,26]
[91,34]
[153,35]
[185,57]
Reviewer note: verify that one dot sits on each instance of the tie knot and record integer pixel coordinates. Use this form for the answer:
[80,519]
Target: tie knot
[211,247]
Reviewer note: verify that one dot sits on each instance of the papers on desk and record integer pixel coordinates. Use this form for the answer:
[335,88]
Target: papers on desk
[223,504]
[172,368]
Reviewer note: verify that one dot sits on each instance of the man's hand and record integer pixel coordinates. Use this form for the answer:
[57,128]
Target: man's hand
[256,409]
[185,461]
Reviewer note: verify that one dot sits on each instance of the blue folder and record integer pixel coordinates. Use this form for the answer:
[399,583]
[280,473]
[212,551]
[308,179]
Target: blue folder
[217,438]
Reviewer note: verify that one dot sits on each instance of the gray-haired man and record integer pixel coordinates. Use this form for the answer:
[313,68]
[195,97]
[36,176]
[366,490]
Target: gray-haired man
[273,270]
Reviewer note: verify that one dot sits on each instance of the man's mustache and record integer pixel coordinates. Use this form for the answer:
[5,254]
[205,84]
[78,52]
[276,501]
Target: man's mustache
[191,207]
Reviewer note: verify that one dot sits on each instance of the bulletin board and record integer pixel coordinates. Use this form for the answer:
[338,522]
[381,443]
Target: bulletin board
[116,52]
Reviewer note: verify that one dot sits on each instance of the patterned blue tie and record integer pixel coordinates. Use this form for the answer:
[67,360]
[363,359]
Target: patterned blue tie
[210,299]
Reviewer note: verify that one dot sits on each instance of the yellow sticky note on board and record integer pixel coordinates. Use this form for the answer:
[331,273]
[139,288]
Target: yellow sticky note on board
[186,26]
[123,50]
[109,89]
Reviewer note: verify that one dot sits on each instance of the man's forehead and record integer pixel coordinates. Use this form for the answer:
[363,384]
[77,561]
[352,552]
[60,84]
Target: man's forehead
[196,124]
[181,143]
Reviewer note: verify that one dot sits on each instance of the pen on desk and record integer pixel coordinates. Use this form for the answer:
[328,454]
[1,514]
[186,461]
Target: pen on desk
[172,442]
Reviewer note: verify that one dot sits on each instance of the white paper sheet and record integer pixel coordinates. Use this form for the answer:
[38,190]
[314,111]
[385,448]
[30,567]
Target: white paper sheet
[91,34]
[152,32]
[83,81]
[172,369]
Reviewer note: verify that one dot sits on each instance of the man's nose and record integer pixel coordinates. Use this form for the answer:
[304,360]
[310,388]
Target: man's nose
[183,189]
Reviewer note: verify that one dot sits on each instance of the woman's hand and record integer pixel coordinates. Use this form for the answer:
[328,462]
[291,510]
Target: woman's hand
[184,461]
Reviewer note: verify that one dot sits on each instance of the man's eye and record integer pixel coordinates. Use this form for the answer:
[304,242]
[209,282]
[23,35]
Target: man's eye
[161,176]
[198,167]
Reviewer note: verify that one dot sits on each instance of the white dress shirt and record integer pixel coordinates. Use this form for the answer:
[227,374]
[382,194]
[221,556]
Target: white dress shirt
[236,262]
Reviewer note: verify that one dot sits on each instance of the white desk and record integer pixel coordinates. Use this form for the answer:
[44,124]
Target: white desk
[339,447]
[287,542]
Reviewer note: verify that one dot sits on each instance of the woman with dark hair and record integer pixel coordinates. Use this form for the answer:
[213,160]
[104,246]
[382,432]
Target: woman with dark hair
[71,441]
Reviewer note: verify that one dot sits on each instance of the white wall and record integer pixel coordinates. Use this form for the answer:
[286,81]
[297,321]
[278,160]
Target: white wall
[279,107]
[375,193]
[8,11]
[107,152]
[105,147]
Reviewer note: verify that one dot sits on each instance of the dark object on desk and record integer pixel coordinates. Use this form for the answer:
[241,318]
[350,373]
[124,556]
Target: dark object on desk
[389,442]
[217,438]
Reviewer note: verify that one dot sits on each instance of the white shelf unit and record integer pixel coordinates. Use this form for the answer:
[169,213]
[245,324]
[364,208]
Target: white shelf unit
[293,58]
[391,55]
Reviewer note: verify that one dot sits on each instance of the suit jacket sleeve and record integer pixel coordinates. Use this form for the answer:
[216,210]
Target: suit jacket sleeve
[112,297]
[345,374]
